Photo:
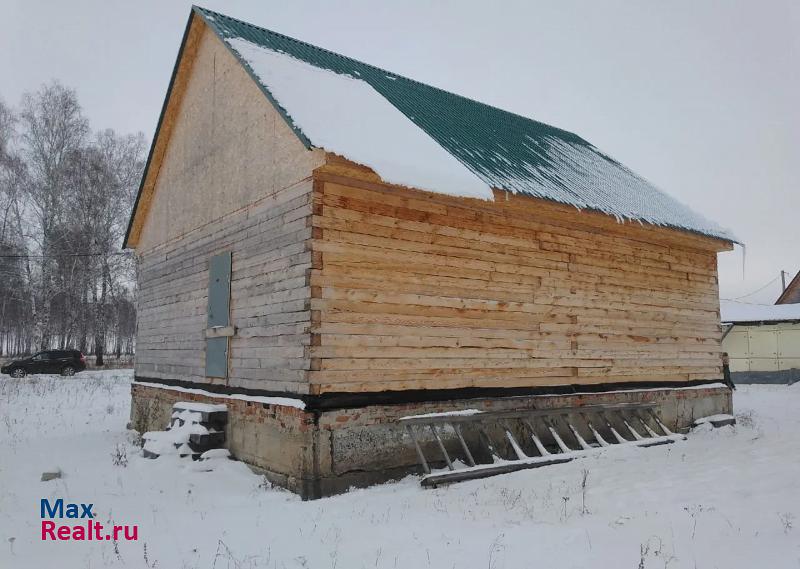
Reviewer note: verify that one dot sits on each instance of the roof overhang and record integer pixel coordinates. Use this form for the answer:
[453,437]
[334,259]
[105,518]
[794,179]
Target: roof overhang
[191,36]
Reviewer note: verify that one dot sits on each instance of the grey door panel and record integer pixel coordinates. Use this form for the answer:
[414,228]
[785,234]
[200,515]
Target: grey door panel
[217,357]
[219,290]
[219,298]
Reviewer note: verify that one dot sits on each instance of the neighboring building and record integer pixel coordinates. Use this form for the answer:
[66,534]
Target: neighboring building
[762,341]
[325,247]
[791,295]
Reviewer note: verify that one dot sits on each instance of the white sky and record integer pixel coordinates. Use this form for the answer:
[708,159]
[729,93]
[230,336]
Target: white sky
[700,97]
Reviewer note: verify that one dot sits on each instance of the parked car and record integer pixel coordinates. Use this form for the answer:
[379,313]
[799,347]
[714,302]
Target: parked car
[65,362]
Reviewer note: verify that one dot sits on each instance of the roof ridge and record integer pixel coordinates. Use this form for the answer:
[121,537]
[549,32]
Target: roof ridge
[205,11]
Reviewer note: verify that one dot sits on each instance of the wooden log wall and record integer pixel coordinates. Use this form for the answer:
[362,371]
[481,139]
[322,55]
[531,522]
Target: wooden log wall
[232,176]
[269,297]
[415,290]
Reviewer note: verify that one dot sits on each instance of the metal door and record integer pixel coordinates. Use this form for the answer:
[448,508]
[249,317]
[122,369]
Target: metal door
[219,296]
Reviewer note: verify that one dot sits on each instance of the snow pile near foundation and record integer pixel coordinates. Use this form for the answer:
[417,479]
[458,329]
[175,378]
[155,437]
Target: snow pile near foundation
[173,441]
[210,460]
[187,416]
[215,454]
[346,116]
[713,418]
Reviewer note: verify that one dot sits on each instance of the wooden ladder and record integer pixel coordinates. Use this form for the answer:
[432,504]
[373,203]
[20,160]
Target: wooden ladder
[484,444]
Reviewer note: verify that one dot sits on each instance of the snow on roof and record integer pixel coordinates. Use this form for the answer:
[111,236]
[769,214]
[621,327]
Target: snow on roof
[733,312]
[417,135]
[345,115]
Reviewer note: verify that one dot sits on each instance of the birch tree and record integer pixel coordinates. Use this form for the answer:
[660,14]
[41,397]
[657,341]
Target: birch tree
[14,300]
[65,199]
[53,127]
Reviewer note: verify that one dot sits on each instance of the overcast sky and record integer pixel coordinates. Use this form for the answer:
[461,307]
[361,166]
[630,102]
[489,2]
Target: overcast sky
[700,97]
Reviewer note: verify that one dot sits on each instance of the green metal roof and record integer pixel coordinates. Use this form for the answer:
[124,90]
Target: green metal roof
[505,150]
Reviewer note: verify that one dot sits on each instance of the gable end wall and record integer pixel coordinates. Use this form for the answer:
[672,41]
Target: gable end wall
[792,293]
[233,177]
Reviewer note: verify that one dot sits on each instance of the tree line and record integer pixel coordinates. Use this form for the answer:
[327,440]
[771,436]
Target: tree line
[66,193]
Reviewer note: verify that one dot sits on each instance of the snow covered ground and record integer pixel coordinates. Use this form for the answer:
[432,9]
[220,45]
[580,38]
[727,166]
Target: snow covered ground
[726,498]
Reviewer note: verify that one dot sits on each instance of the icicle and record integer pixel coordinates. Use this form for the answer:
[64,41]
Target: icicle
[744,258]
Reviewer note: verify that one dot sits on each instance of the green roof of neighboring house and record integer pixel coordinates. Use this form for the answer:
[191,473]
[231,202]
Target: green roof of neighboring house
[505,150]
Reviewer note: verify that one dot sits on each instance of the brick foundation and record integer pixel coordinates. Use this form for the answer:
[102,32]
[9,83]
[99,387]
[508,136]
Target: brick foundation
[320,453]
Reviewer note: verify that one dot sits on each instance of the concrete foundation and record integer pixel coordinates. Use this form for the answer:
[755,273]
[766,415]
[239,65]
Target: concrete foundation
[318,453]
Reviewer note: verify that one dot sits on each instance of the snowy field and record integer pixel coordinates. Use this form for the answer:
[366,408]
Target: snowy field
[727,498]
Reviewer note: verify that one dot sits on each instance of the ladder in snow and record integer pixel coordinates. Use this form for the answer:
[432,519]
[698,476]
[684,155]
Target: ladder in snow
[484,444]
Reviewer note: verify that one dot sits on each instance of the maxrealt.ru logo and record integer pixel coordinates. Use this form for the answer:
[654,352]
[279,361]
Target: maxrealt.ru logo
[84,531]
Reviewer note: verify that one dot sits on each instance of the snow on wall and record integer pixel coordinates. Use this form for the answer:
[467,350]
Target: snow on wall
[346,116]
[285,401]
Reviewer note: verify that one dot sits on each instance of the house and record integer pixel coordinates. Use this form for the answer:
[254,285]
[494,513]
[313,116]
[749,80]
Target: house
[325,247]
[762,341]
[790,294]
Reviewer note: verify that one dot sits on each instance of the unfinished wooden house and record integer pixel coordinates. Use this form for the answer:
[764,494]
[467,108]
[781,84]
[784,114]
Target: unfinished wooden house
[327,247]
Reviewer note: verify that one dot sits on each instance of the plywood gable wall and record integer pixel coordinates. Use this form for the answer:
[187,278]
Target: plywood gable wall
[233,179]
[222,146]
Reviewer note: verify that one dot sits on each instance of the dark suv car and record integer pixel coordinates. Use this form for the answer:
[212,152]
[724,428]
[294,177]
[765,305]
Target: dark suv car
[65,362]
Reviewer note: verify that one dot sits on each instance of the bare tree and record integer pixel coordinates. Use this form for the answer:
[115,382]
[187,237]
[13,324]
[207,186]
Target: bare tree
[65,199]
[14,297]
[53,127]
